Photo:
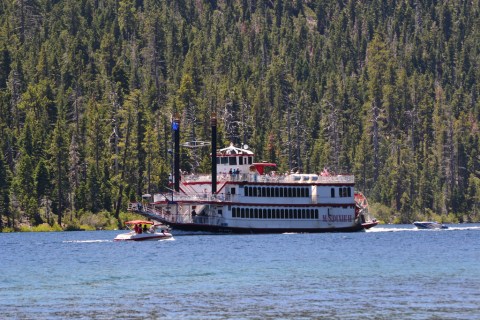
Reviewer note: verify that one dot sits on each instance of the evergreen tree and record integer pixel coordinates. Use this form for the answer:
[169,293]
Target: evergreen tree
[4,192]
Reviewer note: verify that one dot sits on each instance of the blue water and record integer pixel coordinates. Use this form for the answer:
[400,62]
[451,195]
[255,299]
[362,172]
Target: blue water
[390,272]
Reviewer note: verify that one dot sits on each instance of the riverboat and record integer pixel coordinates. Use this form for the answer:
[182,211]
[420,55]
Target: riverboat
[240,195]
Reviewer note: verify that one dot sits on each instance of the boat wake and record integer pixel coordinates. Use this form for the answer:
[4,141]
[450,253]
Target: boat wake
[86,241]
[464,228]
[168,239]
[410,229]
[383,229]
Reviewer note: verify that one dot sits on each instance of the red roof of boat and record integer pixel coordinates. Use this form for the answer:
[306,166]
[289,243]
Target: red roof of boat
[138,222]
[260,166]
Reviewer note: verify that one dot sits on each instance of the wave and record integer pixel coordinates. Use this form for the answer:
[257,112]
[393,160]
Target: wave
[413,229]
[86,241]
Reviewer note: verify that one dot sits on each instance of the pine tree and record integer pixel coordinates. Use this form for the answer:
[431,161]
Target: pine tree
[58,152]
[4,192]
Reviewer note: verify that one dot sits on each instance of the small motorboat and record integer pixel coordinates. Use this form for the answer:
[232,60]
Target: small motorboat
[369,224]
[429,225]
[143,231]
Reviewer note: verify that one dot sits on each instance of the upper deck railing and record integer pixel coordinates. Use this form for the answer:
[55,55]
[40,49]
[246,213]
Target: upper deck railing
[272,178]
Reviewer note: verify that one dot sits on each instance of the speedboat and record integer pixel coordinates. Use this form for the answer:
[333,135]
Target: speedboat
[143,231]
[429,225]
[369,224]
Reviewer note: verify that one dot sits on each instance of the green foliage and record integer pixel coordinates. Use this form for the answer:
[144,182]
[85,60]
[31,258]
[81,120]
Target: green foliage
[386,91]
[45,227]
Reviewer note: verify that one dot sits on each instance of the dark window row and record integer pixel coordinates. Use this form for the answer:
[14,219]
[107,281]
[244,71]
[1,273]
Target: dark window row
[343,192]
[233,160]
[269,213]
[291,192]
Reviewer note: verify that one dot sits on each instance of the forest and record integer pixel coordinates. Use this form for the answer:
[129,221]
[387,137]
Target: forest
[387,90]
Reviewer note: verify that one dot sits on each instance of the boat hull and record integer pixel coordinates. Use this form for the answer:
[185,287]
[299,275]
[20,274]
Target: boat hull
[194,227]
[369,224]
[429,225]
[143,237]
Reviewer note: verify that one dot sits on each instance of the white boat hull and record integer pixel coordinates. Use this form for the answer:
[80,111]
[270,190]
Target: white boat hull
[429,225]
[132,236]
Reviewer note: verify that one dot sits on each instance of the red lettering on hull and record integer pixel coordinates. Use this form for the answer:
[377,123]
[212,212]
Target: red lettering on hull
[337,218]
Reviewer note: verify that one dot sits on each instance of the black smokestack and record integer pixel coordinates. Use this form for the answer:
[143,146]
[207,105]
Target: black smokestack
[176,154]
[214,153]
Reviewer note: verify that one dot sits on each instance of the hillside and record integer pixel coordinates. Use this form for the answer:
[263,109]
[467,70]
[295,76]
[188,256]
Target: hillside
[387,90]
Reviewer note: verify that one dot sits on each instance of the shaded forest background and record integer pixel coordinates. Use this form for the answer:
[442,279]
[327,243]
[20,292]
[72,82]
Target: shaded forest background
[387,90]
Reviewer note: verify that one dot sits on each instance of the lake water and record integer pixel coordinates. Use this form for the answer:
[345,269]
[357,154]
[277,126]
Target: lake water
[389,272]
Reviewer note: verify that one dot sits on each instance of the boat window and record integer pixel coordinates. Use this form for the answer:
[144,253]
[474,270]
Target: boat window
[232,161]
[332,192]
[307,192]
[240,160]
[250,160]
[224,160]
[232,190]
[349,192]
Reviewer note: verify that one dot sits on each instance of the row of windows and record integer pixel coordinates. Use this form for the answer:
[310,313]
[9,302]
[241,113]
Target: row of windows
[264,213]
[343,192]
[292,192]
[233,160]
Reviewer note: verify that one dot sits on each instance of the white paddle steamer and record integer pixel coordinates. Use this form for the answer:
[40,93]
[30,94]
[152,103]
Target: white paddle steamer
[240,195]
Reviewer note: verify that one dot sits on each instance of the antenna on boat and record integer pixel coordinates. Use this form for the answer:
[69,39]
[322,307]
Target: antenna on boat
[196,144]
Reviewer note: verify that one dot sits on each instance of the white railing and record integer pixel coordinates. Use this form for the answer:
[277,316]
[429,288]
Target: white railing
[272,178]
[183,216]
